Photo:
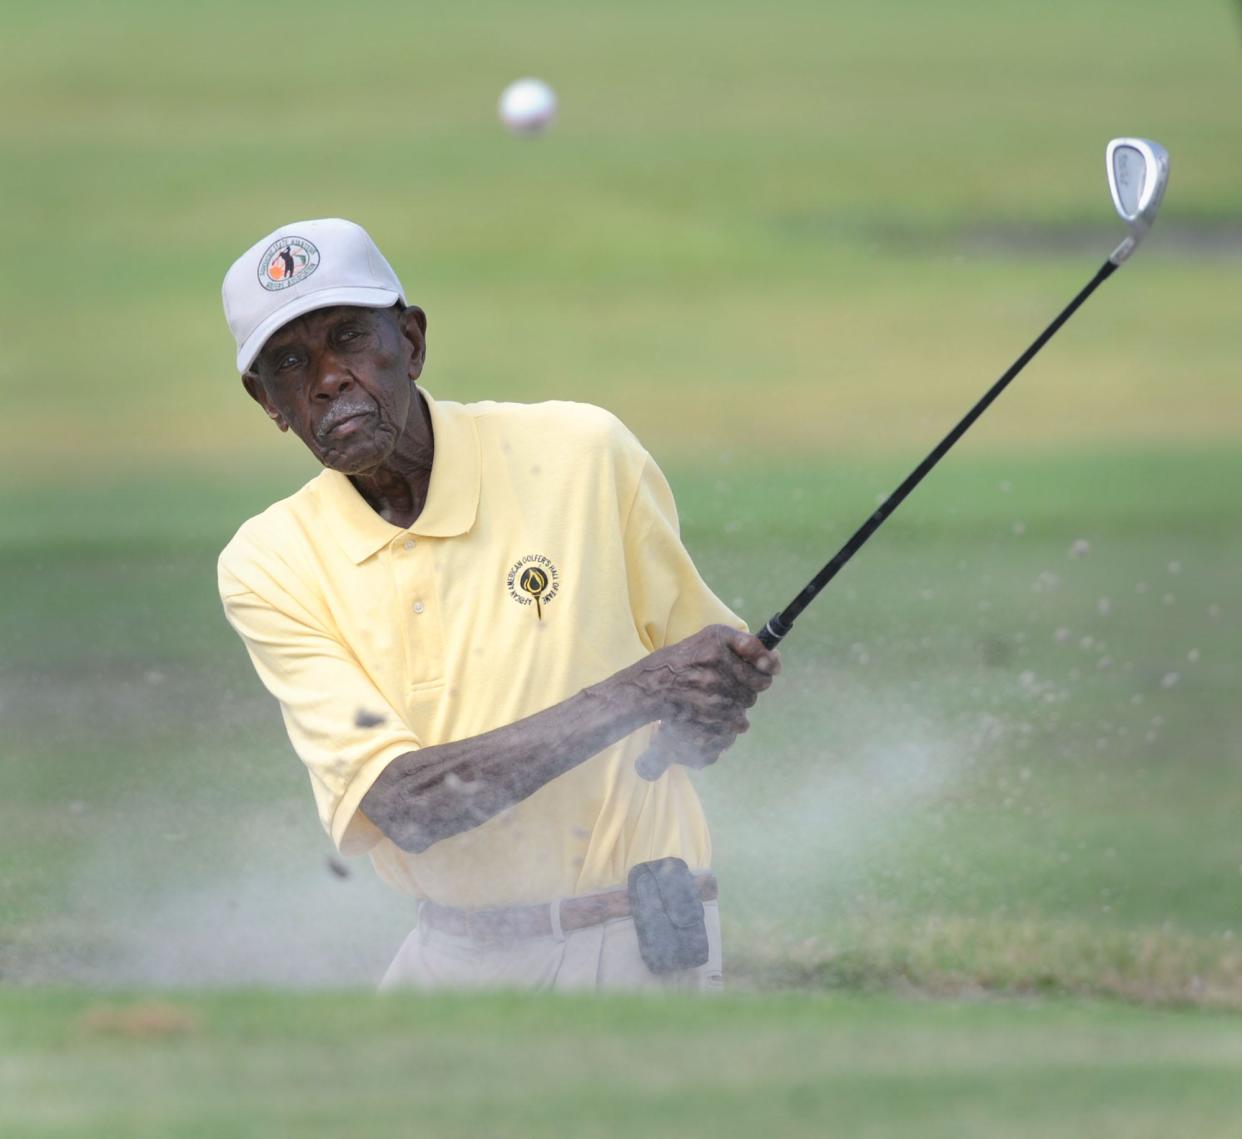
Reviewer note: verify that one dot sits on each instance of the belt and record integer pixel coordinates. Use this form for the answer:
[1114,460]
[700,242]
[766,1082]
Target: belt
[513,923]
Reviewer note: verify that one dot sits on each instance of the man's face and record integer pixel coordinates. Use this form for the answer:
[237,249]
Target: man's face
[342,380]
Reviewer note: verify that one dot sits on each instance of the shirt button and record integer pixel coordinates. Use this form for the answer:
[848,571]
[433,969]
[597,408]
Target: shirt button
[408,543]
[418,606]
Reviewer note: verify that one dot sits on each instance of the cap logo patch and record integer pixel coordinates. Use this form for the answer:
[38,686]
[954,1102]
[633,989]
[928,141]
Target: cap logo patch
[287,261]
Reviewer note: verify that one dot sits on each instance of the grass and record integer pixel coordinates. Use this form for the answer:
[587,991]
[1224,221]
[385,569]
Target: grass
[724,229]
[516,1066]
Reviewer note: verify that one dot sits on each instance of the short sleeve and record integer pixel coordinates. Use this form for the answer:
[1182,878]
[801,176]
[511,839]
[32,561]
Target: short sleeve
[668,598]
[339,724]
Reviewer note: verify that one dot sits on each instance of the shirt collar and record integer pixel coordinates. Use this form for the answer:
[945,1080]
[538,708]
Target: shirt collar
[452,498]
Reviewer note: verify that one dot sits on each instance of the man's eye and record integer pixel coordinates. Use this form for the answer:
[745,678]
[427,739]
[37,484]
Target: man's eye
[348,334]
[287,361]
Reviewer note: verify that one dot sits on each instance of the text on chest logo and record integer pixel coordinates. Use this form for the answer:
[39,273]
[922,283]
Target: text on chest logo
[534,580]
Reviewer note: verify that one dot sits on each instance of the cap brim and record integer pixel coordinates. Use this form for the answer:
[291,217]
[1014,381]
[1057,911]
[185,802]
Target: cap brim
[325,298]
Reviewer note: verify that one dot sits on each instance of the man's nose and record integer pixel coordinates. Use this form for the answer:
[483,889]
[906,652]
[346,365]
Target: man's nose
[333,378]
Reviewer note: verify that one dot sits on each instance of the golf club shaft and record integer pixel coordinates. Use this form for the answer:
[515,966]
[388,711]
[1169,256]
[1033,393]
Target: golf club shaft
[779,624]
[652,763]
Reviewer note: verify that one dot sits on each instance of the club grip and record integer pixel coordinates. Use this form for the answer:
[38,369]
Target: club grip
[657,759]
[774,631]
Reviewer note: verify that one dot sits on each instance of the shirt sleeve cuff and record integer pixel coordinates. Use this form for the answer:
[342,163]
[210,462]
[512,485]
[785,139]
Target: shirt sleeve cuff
[351,831]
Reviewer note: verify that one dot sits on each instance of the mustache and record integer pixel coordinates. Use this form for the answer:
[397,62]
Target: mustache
[337,414]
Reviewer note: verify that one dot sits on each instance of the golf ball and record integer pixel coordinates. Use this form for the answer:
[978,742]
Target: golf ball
[527,106]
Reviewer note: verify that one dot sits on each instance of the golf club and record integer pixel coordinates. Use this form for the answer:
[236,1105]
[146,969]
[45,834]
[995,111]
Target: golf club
[1138,171]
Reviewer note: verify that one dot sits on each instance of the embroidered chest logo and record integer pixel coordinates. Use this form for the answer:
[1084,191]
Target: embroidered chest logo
[286,262]
[534,580]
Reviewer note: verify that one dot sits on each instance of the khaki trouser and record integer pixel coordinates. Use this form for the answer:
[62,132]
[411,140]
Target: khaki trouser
[599,957]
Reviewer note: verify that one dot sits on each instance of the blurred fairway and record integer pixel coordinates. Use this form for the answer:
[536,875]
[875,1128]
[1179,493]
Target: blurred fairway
[809,226]
[253,1065]
[789,245]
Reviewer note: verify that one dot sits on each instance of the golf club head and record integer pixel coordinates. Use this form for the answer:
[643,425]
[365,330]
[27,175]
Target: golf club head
[1138,171]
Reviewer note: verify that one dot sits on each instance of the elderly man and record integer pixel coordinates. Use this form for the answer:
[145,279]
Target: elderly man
[475,619]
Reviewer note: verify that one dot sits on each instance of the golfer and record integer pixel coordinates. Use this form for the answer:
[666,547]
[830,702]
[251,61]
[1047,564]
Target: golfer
[475,619]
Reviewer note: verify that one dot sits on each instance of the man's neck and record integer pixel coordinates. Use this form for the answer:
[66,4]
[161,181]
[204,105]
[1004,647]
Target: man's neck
[397,490]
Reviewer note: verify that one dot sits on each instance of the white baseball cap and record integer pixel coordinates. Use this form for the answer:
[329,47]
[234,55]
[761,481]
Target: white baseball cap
[299,268]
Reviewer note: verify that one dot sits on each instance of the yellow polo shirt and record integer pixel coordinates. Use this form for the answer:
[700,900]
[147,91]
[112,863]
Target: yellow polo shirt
[546,558]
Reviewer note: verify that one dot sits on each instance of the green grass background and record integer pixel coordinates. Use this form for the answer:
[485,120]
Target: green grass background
[452,1066]
[788,244]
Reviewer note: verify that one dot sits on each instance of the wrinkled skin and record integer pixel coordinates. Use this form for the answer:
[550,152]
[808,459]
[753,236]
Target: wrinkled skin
[708,681]
[342,380]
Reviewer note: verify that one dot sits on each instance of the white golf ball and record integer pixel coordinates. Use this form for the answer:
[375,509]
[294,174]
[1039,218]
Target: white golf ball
[527,106]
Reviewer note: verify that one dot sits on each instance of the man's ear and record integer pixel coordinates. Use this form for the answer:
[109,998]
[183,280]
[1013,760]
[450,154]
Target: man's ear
[254,388]
[413,323]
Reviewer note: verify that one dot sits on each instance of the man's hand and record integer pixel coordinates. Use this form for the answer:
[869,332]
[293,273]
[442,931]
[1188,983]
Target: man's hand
[702,687]
[680,742]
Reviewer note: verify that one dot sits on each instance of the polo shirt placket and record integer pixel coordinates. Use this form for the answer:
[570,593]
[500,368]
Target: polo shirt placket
[418,611]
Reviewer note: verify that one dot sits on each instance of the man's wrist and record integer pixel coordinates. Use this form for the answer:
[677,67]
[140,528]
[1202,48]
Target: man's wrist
[629,700]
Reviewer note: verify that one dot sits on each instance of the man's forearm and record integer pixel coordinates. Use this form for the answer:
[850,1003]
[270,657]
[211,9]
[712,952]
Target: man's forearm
[430,794]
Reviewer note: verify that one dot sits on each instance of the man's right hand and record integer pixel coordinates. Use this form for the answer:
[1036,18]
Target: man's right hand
[701,688]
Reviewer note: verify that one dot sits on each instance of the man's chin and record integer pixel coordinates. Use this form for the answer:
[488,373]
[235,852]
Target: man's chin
[342,467]
[358,458]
